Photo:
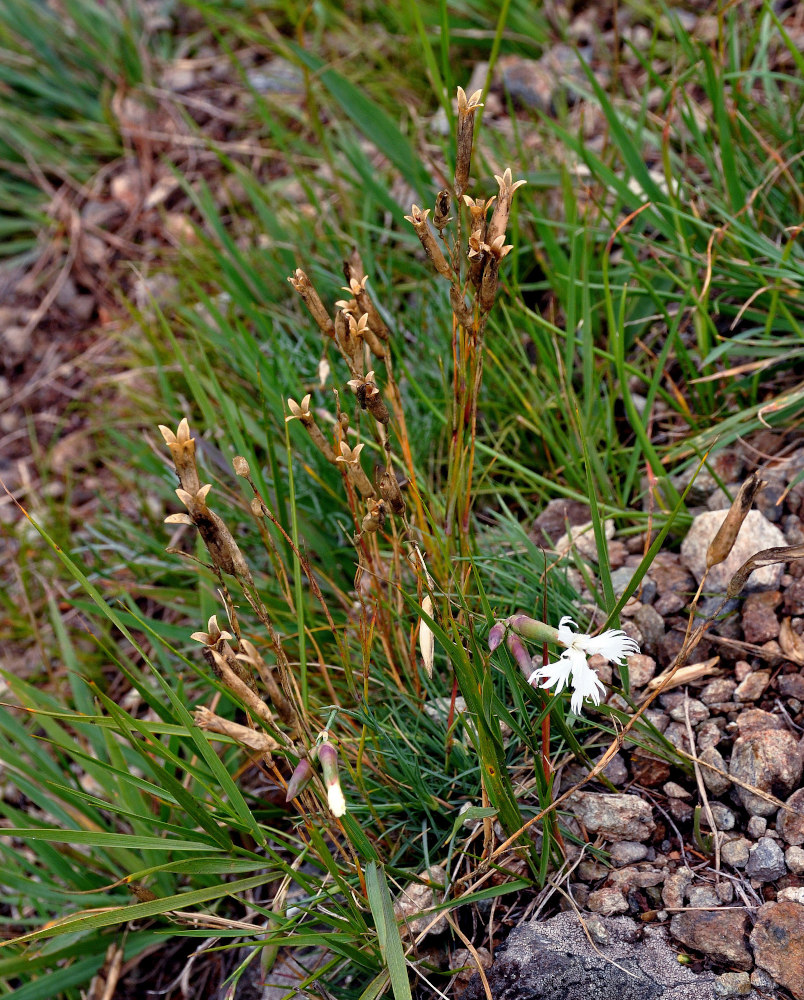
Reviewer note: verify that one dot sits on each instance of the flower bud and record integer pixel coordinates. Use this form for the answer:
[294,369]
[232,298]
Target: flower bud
[328,757]
[496,635]
[517,649]
[300,779]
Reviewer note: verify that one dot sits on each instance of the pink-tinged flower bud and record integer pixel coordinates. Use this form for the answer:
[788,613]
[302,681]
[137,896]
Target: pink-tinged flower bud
[328,758]
[496,635]
[532,630]
[300,779]
[520,654]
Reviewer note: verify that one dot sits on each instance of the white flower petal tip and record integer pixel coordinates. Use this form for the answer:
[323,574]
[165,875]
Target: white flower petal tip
[337,803]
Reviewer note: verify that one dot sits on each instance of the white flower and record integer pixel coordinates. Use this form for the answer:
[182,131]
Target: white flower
[613,644]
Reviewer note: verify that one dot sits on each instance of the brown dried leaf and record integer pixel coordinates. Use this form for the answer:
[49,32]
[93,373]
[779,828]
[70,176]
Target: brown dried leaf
[684,675]
[792,643]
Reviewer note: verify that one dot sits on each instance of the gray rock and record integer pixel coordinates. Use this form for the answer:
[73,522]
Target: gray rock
[675,888]
[720,934]
[794,859]
[616,770]
[554,960]
[723,816]
[710,733]
[621,577]
[651,625]
[725,891]
[791,825]
[717,783]
[607,901]
[733,984]
[761,981]
[628,852]
[677,733]
[770,760]
[703,895]
[616,817]
[766,861]
[757,825]
[675,791]
[756,533]
[736,852]
[698,712]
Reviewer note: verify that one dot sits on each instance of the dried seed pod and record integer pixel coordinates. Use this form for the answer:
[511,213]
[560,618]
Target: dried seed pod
[488,284]
[350,458]
[723,542]
[251,738]
[767,557]
[418,219]
[375,518]
[502,209]
[466,128]
[389,490]
[302,284]
[356,276]
[441,216]
[182,450]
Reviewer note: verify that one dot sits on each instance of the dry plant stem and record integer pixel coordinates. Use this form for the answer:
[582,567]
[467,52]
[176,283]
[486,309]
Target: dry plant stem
[702,787]
[473,952]
[278,700]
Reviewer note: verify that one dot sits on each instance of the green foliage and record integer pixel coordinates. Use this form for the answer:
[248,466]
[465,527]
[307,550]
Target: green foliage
[671,267]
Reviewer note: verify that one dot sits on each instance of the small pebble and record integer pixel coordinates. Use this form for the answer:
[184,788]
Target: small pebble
[757,825]
[628,852]
[795,894]
[735,852]
[674,791]
[733,984]
[703,895]
[762,981]
[607,902]
[723,816]
[718,784]
[794,859]
[766,861]
[718,690]
[725,891]
[752,688]
[709,733]
[698,712]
